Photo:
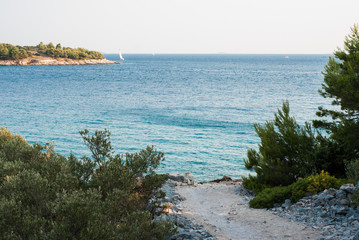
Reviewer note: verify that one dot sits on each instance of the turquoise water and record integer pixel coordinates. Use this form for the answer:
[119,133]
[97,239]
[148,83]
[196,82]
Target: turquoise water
[198,109]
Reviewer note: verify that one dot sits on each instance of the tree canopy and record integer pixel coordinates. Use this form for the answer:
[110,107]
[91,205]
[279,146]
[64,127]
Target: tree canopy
[44,195]
[289,151]
[11,52]
[341,83]
[286,150]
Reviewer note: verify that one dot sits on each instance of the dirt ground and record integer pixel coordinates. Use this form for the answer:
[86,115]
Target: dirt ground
[225,213]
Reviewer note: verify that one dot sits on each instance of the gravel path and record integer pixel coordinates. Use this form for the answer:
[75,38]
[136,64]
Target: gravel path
[224,213]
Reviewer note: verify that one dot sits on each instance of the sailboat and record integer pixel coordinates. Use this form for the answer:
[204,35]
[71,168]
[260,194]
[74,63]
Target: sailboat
[119,53]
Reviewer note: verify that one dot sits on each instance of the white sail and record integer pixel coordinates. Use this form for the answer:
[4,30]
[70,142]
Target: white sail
[119,53]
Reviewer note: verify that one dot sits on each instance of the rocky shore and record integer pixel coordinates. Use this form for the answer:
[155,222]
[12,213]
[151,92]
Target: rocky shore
[329,211]
[219,210]
[40,61]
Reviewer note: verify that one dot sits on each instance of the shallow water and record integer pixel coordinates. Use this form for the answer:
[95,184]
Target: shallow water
[198,109]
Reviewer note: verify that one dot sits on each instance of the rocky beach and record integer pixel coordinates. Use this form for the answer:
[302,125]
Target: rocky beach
[219,210]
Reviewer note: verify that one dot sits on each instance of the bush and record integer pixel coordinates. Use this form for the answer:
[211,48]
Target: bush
[44,195]
[310,185]
[352,169]
[354,198]
[322,181]
[270,196]
[252,183]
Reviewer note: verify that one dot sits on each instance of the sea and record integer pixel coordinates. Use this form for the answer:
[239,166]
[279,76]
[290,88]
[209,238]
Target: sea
[199,109]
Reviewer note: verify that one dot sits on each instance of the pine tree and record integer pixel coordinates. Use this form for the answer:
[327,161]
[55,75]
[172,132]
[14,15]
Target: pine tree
[285,152]
[341,83]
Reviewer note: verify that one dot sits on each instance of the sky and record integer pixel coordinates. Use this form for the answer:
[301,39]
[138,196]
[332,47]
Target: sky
[181,26]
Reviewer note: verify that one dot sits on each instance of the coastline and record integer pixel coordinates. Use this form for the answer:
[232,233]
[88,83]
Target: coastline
[48,61]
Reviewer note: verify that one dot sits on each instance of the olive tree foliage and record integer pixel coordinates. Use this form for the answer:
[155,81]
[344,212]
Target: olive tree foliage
[99,145]
[44,195]
[341,84]
[10,52]
[285,153]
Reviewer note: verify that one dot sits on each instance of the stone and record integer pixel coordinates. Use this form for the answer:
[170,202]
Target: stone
[287,203]
[188,175]
[328,197]
[349,188]
[341,194]
[181,179]
[331,191]
[324,214]
[225,178]
[341,210]
[356,236]
[344,202]
[350,214]
[176,177]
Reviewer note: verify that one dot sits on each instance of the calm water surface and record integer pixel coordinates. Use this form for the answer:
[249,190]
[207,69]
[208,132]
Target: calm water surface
[198,109]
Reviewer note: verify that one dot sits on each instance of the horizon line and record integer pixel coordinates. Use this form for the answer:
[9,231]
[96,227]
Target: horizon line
[220,53]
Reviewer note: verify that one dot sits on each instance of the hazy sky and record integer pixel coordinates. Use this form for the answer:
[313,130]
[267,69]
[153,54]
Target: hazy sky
[181,26]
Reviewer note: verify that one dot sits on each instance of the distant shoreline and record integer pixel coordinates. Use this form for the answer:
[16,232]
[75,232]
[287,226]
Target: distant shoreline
[49,61]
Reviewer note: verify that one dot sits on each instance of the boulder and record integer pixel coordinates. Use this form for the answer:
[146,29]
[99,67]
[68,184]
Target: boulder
[349,188]
[225,178]
[186,178]
[287,203]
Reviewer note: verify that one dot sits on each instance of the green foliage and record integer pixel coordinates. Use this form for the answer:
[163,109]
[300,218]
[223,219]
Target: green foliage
[270,196]
[310,185]
[341,83]
[354,198]
[352,169]
[10,52]
[99,145]
[41,46]
[285,152]
[4,51]
[50,45]
[66,52]
[288,151]
[253,183]
[327,155]
[322,181]
[44,195]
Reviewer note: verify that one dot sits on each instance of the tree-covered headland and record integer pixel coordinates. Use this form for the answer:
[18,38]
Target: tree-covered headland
[293,160]
[11,52]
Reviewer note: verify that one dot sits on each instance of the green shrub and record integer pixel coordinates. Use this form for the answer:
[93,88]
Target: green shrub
[269,196]
[322,181]
[352,169]
[310,185]
[354,198]
[44,195]
[252,183]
